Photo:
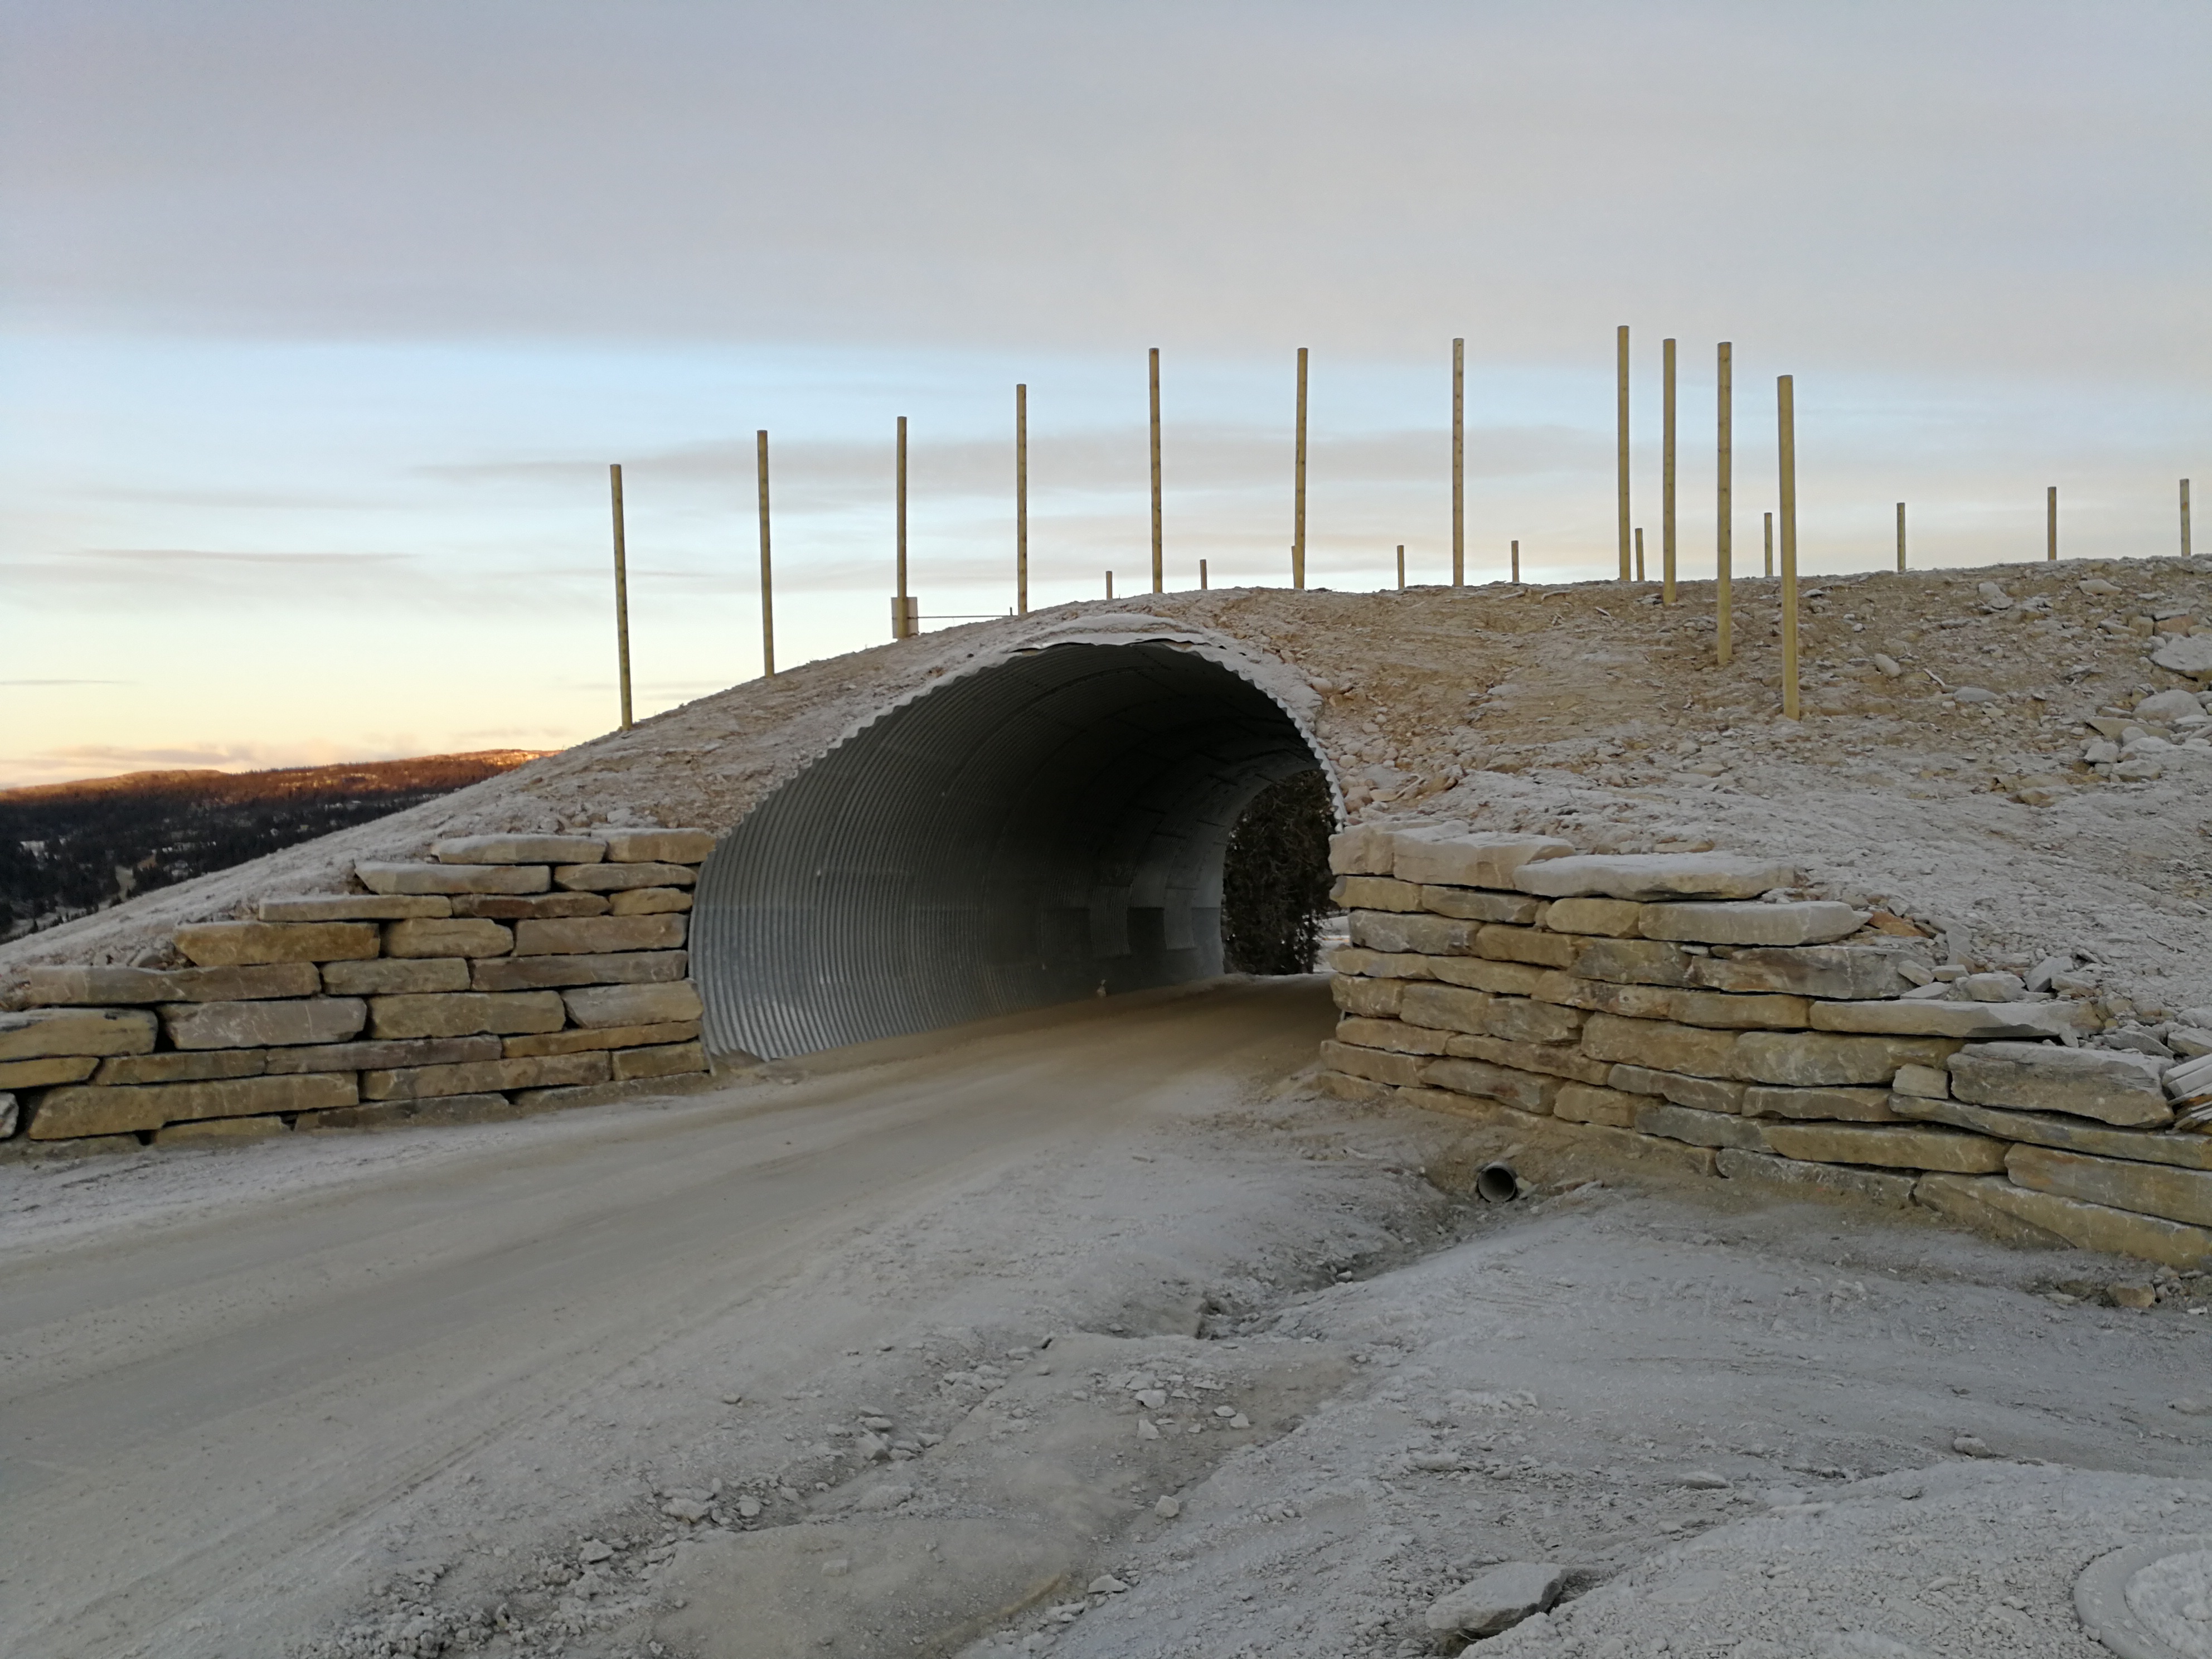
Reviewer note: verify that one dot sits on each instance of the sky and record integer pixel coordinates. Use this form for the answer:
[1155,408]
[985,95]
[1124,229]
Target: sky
[319,324]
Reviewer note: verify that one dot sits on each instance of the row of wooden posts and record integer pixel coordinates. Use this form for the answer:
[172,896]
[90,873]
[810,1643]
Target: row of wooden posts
[905,619]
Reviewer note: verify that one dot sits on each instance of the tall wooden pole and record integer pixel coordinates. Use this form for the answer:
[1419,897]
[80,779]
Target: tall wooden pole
[1201,575]
[1298,507]
[1667,473]
[1724,507]
[1769,544]
[1639,552]
[768,584]
[1459,465]
[2185,518]
[2051,523]
[1516,563]
[621,595]
[1159,568]
[1620,444]
[1022,499]
[1402,567]
[903,620]
[1109,584]
[1785,414]
[1901,535]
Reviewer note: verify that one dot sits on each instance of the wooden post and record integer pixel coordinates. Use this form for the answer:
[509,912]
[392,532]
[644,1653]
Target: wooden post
[1516,563]
[1724,507]
[1667,473]
[1639,552]
[1109,584]
[1769,544]
[1298,505]
[1785,414]
[2185,518]
[1901,535]
[2051,523]
[901,627]
[1459,466]
[1402,567]
[1620,462]
[768,584]
[1201,575]
[1022,500]
[1159,570]
[622,596]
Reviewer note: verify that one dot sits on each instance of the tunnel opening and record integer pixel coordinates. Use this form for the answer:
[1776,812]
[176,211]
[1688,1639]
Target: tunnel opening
[1051,826]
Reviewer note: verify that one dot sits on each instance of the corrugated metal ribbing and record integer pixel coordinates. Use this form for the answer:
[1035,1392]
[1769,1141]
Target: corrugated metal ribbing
[1021,836]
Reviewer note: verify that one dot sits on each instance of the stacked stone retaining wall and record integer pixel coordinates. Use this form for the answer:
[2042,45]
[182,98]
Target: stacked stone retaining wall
[506,974]
[1689,1009]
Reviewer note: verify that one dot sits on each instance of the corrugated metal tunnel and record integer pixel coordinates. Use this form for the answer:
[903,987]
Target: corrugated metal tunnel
[1020,835]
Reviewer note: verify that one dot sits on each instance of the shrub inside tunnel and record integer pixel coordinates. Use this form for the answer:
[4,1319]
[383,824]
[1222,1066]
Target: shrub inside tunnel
[1275,882]
[1049,827]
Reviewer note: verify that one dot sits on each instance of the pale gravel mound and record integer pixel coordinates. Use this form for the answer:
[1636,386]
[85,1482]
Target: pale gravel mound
[1576,710]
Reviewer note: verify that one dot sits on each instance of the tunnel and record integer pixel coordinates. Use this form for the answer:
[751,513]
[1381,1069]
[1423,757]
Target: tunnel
[1045,827]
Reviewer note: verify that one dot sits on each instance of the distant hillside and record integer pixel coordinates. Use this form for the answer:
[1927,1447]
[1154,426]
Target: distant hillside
[66,848]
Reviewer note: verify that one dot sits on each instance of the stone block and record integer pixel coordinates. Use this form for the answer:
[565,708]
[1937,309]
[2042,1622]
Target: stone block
[658,846]
[1841,1105]
[551,973]
[65,987]
[1338,1085]
[649,901]
[353,906]
[1504,979]
[1375,893]
[1891,1146]
[632,1005]
[1393,1034]
[2108,1085]
[1514,909]
[487,1076]
[263,1024]
[470,936]
[1812,921]
[2085,1226]
[1371,998]
[386,976]
[606,1036]
[2073,1134]
[92,1109]
[2158,1189]
[466,1013]
[384,1055]
[197,1066]
[1649,877]
[1472,861]
[531,907]
[1891,1192]
[587,935]
[1928,1082]
[50,1033]
[1525,1091]
[1362,850]
[1534,947]
[1697,1128]
[1445,1008]
[1550,1060]
[1964,1201]
[607,1094]
[1581,1102]
[241,943]
[1661,1046]
[617,877]
[451,878]
[1630,962]
[220,1131]
[1373,1064]
[65,1068]
[1821,1059]
[437,1111]
[1715,1009]
[1703,1094]
[1928,1016]
[519,850]
[1517,1019]
[1399,934]
[1357,960]
[670,1060]
[1613,918]
[1844,972]
[1649,1150]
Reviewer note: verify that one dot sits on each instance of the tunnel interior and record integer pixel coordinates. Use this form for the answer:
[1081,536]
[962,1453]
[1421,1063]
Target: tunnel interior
[1024,834]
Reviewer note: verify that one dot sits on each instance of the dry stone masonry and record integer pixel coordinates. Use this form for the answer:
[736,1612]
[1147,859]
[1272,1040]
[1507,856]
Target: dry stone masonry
[504,975]
[1704,1010]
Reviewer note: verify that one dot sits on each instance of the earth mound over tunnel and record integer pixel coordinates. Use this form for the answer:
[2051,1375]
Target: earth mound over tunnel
[1042,828]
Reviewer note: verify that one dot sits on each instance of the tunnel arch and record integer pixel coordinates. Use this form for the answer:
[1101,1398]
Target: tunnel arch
[1020,834]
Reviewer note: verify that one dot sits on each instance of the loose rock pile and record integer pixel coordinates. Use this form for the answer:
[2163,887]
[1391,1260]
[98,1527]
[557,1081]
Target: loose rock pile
[507,974]
[1706,1011]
